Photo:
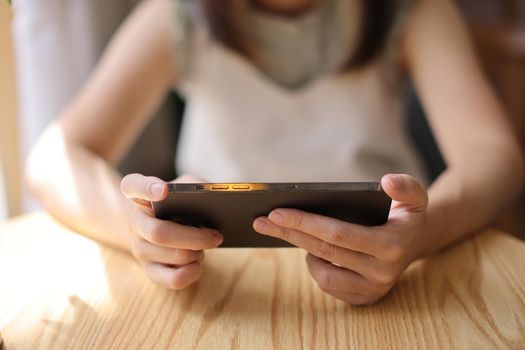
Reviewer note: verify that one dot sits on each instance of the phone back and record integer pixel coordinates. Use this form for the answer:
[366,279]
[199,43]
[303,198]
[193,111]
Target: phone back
[233,212]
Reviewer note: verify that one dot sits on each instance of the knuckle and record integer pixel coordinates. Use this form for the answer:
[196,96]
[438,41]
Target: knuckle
[325,280]
[394,253]
[337,235]
[201,256]
[138,250]
[157,232]
[202,239]
[298,220]
[390,248]
[175,281]
[384,278]
[182,256]
[284,233]
[325,250]
[185,256]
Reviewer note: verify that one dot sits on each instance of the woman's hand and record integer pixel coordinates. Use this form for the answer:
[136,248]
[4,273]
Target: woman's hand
[172,254]
[356,263]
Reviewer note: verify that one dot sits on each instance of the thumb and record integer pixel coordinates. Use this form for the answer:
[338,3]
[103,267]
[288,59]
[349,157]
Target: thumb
[405,191]
[145,188]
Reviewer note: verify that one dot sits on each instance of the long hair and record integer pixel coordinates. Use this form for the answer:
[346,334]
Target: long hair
[224,22]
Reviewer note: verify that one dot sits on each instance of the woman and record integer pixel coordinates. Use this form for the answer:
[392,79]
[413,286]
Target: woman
[296,90]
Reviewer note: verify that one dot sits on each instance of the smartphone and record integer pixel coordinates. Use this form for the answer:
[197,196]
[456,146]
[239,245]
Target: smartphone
[231,207]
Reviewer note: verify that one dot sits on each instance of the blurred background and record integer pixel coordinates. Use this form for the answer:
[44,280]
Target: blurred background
[49,47]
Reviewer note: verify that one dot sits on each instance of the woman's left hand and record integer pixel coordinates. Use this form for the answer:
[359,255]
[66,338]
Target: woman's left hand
[355,263]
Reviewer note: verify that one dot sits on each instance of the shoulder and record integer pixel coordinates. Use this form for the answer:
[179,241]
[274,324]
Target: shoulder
[150,25]
[158,13]
[158,7]
[149,35]
[433,26]
[426,14]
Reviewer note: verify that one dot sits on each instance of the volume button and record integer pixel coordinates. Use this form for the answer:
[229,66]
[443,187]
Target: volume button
[220,187]
[241,187]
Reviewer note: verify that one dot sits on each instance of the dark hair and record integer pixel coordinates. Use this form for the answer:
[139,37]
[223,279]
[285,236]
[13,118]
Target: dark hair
[223,19]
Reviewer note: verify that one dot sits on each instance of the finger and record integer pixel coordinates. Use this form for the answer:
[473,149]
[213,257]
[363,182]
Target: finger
[148,252]
[174,277]
[405,191]
[347,258]
[334,278]
[146,188]
[336,232]
[173,235]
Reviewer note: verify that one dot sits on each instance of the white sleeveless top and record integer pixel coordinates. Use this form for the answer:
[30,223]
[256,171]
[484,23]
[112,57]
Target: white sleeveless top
[240,125]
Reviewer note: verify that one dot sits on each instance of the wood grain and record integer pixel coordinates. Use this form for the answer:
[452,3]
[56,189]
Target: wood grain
[59,290]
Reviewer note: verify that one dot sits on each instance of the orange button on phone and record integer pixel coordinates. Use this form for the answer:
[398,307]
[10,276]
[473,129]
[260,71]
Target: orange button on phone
[220,187]
[241,187]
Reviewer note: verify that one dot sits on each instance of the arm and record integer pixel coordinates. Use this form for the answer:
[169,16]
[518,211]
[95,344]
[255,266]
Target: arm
[485,171]
[71,169]
[485,166]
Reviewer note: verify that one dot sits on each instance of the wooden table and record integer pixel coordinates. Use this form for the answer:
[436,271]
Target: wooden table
[62,291]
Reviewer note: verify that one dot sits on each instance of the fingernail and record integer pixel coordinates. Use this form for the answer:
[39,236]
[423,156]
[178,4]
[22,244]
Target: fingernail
[217,238]
[394,181]
[277,217]
[260,224]
[157,189]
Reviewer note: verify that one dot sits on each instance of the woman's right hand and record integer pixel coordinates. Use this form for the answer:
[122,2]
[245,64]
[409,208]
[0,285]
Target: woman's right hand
[172,254]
